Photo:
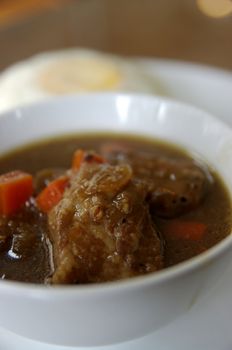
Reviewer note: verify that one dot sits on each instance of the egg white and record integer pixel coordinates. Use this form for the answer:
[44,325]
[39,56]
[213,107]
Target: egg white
[70,71]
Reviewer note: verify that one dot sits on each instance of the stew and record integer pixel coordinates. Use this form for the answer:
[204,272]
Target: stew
[95,207]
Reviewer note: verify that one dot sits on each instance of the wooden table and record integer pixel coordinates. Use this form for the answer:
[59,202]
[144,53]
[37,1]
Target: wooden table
[161,28]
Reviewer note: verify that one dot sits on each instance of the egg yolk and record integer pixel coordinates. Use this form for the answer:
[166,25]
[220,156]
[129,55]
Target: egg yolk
[79,75]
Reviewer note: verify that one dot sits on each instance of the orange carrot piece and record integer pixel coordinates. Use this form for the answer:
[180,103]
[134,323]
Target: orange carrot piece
[81,156]
[189,230]
[78,158]
[52,194]
[16,187]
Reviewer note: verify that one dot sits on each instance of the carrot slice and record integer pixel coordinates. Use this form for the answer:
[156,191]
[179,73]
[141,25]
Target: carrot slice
[15,189]
[189,230]
[78,158]
[52,194]
[81,156]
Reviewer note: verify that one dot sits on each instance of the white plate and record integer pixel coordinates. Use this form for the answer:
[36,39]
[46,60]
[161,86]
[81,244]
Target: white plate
[208,324]
[202,86]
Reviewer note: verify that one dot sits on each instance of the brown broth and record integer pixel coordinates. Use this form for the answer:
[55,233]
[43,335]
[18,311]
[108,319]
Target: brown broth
[215,209]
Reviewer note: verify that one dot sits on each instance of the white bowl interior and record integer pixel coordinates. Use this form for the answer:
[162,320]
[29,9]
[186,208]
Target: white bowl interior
[186,126]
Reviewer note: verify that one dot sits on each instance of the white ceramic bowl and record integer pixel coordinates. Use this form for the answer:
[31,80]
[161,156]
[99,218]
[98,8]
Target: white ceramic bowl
[118,311]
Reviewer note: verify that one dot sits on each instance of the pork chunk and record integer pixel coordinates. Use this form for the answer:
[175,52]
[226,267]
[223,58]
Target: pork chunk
[101,230]
[175,185]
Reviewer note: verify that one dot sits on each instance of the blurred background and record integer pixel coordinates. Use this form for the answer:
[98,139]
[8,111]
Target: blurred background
[161,28]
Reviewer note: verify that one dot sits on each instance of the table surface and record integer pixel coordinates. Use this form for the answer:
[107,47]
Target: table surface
[161,28]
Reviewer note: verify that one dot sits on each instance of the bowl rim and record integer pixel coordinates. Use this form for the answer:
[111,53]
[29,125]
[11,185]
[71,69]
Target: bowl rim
[137,282]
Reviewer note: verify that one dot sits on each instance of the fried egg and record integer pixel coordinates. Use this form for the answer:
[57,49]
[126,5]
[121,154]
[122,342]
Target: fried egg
[70,71]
